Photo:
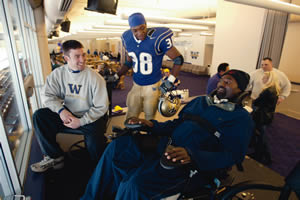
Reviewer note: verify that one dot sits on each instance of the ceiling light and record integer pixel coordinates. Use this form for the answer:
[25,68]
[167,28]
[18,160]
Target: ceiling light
[163,19]
[185,34]
[206,34]
[100,32]
[172,26]
[120,30]
[109,27]
[114,38]
[271,4]
[181,26]
[127,27]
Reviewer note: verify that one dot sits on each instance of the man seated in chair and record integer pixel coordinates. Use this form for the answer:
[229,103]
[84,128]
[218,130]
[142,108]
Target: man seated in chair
[125,172]
[74,97]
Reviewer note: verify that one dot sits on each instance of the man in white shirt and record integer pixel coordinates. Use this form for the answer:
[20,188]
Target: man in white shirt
[256,84]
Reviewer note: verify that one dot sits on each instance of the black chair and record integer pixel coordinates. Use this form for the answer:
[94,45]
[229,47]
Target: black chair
[79,145]
[292,183]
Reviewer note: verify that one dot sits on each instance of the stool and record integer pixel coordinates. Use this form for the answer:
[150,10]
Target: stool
[79,145]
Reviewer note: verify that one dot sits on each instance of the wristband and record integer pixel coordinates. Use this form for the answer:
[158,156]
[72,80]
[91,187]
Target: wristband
[60,110]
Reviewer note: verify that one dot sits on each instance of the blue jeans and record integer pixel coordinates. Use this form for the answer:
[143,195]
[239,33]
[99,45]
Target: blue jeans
[47,124]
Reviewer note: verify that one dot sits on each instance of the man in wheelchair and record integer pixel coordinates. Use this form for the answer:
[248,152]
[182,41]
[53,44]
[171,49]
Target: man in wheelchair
[210,134]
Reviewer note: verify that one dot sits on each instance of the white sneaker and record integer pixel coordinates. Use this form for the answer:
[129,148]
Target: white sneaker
[48,163]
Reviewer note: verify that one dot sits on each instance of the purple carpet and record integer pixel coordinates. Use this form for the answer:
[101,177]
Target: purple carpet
[284,142]
[195,83]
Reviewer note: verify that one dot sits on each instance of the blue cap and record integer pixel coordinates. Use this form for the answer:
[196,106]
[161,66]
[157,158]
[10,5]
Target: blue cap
[136,19]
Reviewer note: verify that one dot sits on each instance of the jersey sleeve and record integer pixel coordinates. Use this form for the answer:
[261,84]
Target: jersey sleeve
[164,41]
[123,41]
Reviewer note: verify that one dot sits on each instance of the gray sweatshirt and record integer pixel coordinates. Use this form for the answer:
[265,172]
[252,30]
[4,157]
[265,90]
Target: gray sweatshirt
[83,93]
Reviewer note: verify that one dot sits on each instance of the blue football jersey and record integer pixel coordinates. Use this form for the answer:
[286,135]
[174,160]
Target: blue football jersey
[147,55]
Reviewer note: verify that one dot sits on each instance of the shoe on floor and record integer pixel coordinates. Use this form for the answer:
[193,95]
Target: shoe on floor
[48,163]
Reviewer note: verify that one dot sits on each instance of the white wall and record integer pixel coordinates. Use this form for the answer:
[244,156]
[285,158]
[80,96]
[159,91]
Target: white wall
[238,36]
[290,59]
[209,40]
[208,54]
[191,48]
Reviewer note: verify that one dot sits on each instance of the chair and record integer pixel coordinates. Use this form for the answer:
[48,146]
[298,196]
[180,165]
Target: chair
[79,145]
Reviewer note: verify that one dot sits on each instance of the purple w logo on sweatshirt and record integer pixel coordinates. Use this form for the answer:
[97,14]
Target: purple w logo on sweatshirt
[74,88]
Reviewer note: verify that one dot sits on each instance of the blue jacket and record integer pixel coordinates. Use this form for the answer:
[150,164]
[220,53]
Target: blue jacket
[235,127]
[126,173]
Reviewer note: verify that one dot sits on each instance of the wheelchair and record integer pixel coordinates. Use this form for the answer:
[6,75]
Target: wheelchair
[292,183]
[219,185]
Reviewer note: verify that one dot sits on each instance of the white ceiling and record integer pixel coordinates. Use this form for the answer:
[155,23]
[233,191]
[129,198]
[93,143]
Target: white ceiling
[193,9]
[187,16]
[83,21]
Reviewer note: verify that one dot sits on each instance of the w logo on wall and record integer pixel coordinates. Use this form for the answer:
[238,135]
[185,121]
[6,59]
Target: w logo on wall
[74,88]
[194,54]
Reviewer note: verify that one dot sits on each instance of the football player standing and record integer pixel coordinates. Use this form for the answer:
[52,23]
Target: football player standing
[145,49]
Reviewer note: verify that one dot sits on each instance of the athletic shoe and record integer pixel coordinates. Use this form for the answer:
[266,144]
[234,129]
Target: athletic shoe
[48,163]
